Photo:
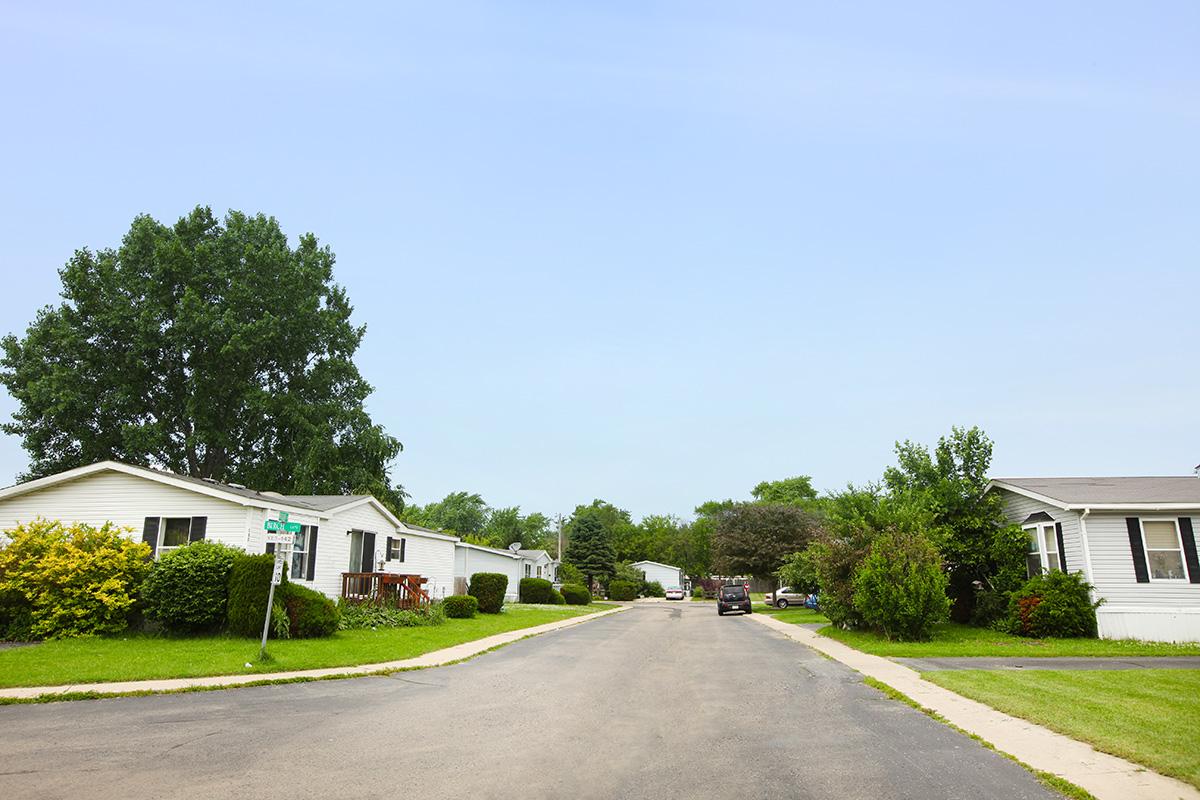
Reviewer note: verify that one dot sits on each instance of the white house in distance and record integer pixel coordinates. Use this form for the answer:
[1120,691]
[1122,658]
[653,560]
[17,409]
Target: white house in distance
[340,533]
[1134,540]
[665,574]
[472,558]
[539,564]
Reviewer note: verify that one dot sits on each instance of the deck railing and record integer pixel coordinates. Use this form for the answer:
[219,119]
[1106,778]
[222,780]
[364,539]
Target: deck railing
[385,588]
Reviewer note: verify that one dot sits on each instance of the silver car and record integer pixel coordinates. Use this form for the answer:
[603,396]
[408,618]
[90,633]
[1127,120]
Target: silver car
[787,596]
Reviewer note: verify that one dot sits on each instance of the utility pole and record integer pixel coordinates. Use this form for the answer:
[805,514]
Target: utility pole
[560,532]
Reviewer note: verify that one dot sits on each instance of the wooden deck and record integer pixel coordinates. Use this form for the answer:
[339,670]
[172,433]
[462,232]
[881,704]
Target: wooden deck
[385,588]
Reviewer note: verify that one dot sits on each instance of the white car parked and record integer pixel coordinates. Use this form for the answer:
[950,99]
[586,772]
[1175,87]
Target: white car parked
[674,593]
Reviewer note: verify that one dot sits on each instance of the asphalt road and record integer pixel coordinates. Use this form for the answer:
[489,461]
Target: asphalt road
[663,701]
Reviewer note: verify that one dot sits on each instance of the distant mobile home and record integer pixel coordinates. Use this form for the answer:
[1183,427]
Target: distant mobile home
[665,574]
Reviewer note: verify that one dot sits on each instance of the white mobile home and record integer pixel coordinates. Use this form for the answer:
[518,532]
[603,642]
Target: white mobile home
[665,574]
[539,564]
[472,558]
[1132,538]
[340,534]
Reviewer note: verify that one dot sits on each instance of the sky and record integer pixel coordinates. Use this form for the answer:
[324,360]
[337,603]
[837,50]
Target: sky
[659,252]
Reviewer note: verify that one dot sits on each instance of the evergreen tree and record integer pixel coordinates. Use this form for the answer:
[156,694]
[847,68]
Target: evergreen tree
[590,549]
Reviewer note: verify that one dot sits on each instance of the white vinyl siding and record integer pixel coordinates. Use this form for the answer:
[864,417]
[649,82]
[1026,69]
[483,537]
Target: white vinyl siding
[664,574]
[469,560]
[126,500]
[1018,508]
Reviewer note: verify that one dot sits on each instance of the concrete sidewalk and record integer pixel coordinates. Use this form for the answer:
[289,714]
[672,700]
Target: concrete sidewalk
[436,658]
[1018,663]
[1105,776]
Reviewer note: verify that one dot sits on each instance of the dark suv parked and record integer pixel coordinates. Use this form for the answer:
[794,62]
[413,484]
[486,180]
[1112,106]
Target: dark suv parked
[733,598]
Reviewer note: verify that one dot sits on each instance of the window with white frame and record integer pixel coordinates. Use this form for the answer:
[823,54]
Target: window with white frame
[528,570]
[174,532]
[300,544]
[1041,553]
[1164,549]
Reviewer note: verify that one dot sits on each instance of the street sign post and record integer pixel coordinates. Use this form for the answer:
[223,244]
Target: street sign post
[282,534]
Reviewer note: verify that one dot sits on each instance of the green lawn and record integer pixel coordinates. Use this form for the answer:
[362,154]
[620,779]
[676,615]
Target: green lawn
[793,614]
[95,659]
[951,639]
[1148,716]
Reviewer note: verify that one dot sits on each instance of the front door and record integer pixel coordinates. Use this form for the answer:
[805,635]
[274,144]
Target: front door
[362,551]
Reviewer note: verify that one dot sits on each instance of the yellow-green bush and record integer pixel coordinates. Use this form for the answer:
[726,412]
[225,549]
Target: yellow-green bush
[70,580]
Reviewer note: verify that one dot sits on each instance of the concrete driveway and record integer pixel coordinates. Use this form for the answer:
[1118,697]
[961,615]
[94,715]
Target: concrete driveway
[663,701]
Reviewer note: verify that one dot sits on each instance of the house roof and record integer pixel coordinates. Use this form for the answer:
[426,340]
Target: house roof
[487,549]
[1115,493]
[655,563]
[323,502]
[535,554]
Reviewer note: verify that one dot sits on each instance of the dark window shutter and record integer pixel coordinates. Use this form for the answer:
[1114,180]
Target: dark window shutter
[198,529]
[368,552]
[1062,551]
[312,552]
[150,534]
[389,549]
[1137,549]
[402,541]
[1189,549]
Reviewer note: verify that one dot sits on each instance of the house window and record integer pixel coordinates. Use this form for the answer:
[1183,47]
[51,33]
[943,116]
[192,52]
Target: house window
[1164,549]
[395,549]
[174,534]
[300,555]
[1041,553]
[539,570]
[528,570]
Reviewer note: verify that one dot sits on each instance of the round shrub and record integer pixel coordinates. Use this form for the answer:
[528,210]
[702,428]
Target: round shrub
[59,581]
[901,586]
[460,606]
[556,597]
[488,588]
[187,589]
[576,594]
[622,590]
[311,615]
[654,589]
[249,584]
[1053,604]
[535,590]
[698,592]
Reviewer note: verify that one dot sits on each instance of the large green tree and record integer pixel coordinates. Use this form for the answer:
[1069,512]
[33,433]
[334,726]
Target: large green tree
[590,549]
[797,491]
[966,524]
[756,538]
[213,349]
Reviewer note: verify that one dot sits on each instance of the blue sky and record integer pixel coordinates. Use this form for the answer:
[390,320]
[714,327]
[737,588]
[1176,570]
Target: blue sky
[658,252]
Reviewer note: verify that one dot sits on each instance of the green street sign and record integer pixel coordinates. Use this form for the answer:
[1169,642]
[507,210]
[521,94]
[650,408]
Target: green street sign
[272,525]
[283,516]
[292,527]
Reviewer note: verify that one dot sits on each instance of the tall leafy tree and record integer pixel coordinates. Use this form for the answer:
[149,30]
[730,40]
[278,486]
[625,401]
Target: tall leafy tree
[966,524]
[590,549]
[464,513]
[797,491]
[755,539]
[213,349]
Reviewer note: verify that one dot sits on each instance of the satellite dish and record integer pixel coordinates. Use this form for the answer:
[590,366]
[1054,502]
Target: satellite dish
[515,546]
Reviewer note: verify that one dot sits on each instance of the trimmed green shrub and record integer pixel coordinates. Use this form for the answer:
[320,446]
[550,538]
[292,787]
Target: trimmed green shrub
[1053,604]
[556,597]
[654,589]
[576,594]
[460,606]
[622,590]
[901,586]
[488,588]
[698,592]
[58,581]
[187,590]
[311,615]
[249,584]
[535,590]
[569,573]
[373,615]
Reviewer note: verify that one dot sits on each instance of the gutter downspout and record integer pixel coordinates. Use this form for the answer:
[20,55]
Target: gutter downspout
[1087,554]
